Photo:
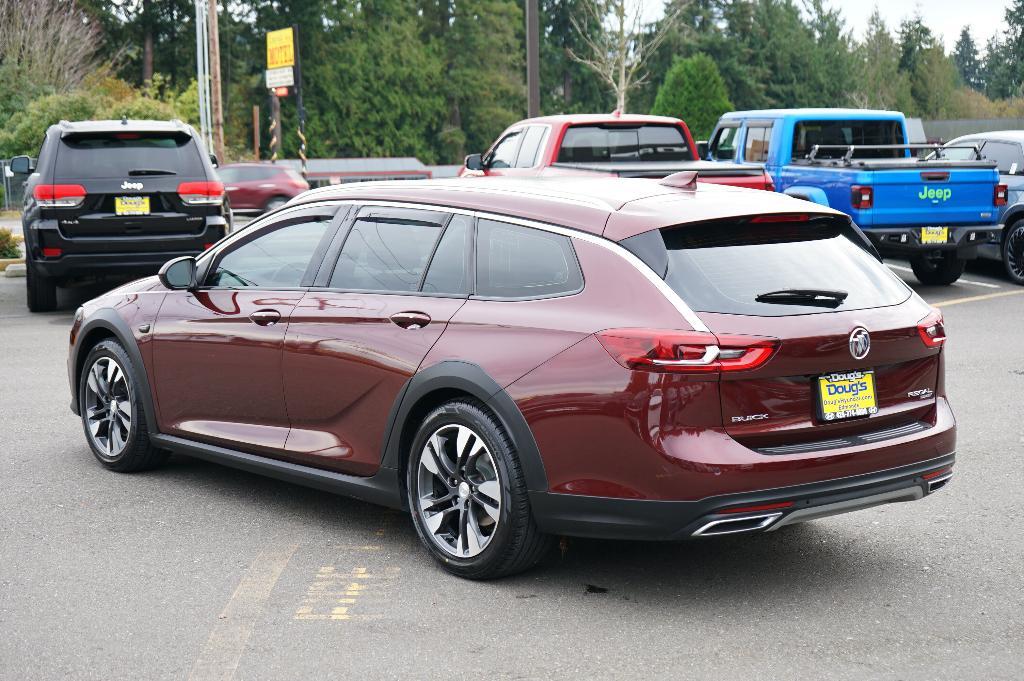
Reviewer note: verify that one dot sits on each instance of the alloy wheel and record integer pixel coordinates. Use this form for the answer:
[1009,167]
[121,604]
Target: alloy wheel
[1015,252]
[459,491]
[108,406]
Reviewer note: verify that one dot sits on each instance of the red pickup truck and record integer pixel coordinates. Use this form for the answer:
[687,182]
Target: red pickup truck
[606,144]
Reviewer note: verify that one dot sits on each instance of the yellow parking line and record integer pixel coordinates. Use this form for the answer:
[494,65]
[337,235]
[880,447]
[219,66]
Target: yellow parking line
[974,299]
[219,657]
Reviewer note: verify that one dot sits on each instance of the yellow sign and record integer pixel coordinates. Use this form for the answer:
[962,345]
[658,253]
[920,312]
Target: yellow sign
[131,205]
[934,235]
[280,49]
[846,395]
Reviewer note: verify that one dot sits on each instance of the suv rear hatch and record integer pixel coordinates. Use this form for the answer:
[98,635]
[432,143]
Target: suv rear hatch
[132,182]
[806,285]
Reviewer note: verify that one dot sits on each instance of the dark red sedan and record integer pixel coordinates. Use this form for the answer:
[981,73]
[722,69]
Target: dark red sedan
[260,187]
[513,360]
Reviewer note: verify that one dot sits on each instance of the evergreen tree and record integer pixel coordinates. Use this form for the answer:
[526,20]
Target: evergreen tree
[566,85]
[965,56]
[695,92]
[880,84]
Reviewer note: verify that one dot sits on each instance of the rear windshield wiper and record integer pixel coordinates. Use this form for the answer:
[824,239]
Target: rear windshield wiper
[803,296]
[150,171]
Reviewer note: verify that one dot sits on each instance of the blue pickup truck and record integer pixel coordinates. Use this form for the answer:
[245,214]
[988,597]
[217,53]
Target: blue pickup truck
[934,210]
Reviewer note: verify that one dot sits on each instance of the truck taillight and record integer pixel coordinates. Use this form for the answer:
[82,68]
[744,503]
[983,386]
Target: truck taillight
[201,193]
[862,197]
[1000,195]
[59,195]
[686,351]
[932,329]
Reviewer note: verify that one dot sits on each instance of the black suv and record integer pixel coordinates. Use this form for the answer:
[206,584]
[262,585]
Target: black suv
[116,199]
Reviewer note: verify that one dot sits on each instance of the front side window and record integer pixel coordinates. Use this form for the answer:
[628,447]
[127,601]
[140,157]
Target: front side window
[755,148]
[504,154]
[387,252]
[278,258]
[723,147]
[519,262]
[841,134]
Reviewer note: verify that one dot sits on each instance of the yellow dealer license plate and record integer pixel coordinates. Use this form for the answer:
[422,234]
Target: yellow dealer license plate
[131,205]
[934,235]
[846,395]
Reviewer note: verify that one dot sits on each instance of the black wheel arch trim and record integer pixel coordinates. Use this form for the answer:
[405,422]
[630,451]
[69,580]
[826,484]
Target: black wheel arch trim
[468,378]
[108,320]
[1011,218]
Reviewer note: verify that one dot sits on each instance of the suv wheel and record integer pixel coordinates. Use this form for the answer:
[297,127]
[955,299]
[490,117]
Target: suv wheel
[275,202]
[1013,252]
[42,291]
[468,496]
[938,271]
[113,415]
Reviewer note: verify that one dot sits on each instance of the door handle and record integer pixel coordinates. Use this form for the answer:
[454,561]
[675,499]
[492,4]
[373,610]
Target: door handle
[265,317]
[411,320]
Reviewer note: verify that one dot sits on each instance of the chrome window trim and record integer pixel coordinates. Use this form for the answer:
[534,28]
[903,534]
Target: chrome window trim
[688,314]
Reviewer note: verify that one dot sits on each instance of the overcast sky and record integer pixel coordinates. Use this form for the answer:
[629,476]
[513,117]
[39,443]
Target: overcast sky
[944,17]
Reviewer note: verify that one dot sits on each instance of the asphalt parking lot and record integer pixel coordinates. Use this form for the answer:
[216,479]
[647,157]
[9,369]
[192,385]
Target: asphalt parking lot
[198,572]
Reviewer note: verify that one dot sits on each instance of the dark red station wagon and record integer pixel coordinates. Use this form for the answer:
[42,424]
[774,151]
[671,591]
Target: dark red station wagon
[514,360]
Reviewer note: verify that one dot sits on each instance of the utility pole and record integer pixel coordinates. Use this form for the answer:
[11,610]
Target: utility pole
[298,102]
[532,60]
[256,131]
[216,110]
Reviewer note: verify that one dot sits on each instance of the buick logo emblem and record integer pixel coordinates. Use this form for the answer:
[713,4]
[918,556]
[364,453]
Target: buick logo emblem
[860,343]
[131,185]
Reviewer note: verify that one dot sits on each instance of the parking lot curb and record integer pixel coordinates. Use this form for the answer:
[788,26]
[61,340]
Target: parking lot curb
[14,270]
[6,262]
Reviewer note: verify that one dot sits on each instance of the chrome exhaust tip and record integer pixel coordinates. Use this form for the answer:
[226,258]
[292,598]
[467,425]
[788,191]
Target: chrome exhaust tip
[744,523]
[935,484]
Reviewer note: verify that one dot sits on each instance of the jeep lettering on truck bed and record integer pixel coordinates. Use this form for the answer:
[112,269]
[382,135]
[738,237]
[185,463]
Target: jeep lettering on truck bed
[617,145]
[912,200]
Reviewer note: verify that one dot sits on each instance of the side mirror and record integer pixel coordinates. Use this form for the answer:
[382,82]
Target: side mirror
[702,149]
[22,165]
[214,161]
[179,274]
[474,162]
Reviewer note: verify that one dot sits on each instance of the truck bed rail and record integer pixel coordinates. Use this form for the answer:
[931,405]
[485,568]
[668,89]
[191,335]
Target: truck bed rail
[851,149]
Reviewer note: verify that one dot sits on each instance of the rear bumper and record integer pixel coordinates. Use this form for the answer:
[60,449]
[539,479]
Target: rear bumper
[964,239]
[71,265]
[608,518]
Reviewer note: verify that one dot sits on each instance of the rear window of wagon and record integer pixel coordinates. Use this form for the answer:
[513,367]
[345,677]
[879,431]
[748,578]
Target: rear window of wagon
[725,267]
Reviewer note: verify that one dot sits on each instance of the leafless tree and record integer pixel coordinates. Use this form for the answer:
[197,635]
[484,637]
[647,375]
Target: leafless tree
[618,43]
[52,42]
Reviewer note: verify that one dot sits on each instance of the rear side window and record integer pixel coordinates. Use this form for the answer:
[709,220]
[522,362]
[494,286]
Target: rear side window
[755,148]
[519,262]
[623,144]
[807,134]
[128,154]
[385,253]
[531,145]
[726,267]
[448,273]
[1006,155]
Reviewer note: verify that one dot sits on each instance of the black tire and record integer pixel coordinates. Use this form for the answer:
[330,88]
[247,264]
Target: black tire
[41,291]
[137,452]
[515,543]
[1013,252]
[940,271]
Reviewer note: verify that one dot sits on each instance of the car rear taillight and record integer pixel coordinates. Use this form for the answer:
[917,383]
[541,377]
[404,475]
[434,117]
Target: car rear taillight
[201,193]
[686,351]
[59,195]
[52,252]
[1000,195]
[862,197]
[932,330]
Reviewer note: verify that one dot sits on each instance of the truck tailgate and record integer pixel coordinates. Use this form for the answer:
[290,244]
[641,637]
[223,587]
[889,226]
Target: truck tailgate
[938,197]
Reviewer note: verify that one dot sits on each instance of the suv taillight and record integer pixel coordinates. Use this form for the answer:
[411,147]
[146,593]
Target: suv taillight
[932,330]
[59,195]
[862,197]
[686,351]
[201,193]
[999,197]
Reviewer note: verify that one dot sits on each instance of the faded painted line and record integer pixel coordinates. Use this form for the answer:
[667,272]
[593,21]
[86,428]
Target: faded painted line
[223,650]
[974,299]
[958,281]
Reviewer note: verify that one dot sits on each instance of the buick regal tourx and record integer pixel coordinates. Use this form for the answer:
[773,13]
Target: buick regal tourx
[512,360]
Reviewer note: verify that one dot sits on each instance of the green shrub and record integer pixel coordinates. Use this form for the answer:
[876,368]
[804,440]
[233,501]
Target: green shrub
[695,92]
[9,244]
